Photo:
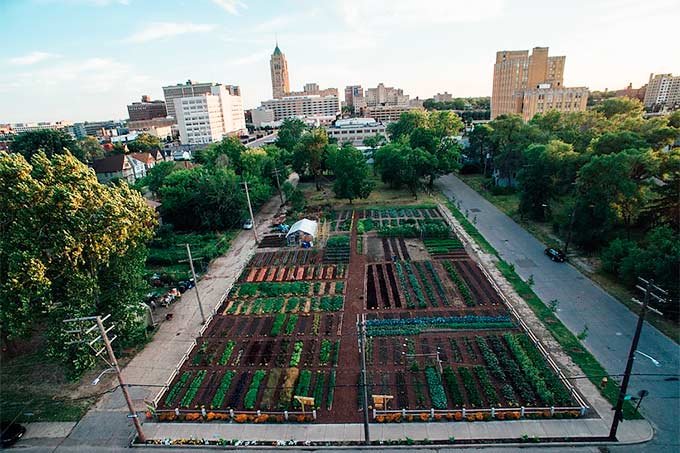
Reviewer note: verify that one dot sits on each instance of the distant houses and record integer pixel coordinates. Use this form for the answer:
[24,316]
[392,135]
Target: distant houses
[128,167]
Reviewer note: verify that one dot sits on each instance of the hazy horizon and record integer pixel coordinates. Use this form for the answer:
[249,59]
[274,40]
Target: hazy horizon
[80,60]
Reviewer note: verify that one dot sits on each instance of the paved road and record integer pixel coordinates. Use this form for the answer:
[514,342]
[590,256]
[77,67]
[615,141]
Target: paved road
[583,303]
[263,141]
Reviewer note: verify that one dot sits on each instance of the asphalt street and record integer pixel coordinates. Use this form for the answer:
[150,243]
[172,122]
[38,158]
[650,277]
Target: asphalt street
[582,303]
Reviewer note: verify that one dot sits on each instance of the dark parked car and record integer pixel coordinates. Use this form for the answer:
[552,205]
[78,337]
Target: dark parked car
[11,433]
[556,254]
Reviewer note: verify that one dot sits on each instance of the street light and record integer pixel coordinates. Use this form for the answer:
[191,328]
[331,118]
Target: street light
[654,361]
[98,378]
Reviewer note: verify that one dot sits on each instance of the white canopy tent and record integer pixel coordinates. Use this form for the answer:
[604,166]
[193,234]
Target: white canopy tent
[304,226]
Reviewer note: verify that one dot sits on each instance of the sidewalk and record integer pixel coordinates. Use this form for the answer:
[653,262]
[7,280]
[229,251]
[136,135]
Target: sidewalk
[632,431]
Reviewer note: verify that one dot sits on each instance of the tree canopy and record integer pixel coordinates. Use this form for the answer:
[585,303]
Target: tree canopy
[49,141]
[70,246]
[352,175]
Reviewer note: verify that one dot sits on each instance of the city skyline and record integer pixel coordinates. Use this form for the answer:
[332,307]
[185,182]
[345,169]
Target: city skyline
[107,53]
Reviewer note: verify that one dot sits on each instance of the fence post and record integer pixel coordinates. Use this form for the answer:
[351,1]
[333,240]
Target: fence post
[432,413]
[314,414]
[285,415]
[259,413]
[552,410]
[583,411]
[403,413]
[464,412]
[493,412]
[521,412]
[374,412]
[203,413]
[231,413]
[177,411]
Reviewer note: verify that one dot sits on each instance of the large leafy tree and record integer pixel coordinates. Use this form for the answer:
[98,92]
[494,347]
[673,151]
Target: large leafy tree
[548,172]
[510,137]
[480,143]
[48,141]
[69,246]
[407,123]
[145,143]
[352,175]
[289,134]
[91,148]
[309,155]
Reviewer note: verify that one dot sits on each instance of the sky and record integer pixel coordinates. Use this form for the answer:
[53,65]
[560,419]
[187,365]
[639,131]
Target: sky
[80,60]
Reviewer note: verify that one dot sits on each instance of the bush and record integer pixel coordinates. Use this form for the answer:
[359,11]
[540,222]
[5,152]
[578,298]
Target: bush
[434,384]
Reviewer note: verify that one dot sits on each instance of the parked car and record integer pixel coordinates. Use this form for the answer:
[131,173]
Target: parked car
[248,225]
[556,254]
[11,433]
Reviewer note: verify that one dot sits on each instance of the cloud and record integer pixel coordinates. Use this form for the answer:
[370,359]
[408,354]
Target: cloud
[389,13]
[262,55]
[230,6]
[161,30]
[91,76]
[32,58]
[284,20]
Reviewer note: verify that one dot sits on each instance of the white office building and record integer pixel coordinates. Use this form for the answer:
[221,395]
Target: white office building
[208,117]
[323,108]
[261,117]
[355,130]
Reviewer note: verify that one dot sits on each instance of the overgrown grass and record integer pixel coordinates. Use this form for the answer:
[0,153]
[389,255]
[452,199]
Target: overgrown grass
[34,389]
[567,340]
[168,254]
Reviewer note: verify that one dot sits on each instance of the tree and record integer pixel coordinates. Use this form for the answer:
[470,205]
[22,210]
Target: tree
[510,137]
[157,174]
[352,175]
[407,123]
[49,141]
[480,142]
[145,143]
[614,142]
[309,155]
[444,123]
[225,153]
[613,189]
[548,173]
[620,106]
[91,148]
[290,132]
[63,254]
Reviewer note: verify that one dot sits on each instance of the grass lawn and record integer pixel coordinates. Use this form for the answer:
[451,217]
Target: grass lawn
[381,195]
[570,344]
[543,232]
[35,389]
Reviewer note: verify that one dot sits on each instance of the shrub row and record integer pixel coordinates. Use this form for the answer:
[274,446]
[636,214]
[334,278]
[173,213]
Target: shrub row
[460,284]
[251,394]
[222,389]
[434,384]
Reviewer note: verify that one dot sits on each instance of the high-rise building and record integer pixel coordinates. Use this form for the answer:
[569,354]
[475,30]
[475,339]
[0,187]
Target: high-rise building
[516,71]
[324,108]
[313,88]
[354,97]
[189,89]
[146,109]
[279,71]
[208,117]
[663,90]
[382,95]
[443,97]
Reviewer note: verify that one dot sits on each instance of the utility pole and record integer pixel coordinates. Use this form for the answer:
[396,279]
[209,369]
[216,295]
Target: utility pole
[361,326]
[571,227]
[103,336]
[193,273]
[649,290]
[278,184]
[250,209]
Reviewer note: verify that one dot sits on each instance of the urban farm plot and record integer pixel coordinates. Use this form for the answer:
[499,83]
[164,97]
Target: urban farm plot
[441,343]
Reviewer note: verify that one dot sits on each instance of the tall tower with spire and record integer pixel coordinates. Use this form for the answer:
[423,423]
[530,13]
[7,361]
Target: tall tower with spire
[279,70]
